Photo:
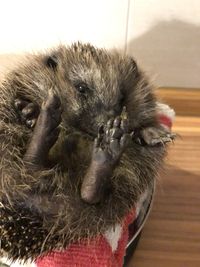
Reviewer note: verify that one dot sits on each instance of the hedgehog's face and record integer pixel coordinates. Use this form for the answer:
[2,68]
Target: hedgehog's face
[96,85]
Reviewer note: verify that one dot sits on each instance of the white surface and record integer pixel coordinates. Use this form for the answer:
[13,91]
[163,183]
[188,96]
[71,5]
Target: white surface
[35,24]
[144,14]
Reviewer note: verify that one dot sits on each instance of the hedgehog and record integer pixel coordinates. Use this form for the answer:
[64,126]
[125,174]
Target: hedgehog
[80,141]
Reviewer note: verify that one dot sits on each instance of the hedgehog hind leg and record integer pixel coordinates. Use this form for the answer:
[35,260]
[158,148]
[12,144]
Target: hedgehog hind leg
[108,148]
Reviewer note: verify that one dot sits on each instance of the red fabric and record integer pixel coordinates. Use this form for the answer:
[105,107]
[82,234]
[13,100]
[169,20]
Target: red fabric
[165,120]
[95,253]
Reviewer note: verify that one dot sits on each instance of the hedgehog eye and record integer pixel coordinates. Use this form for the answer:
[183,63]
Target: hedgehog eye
[122,98]
[81,88]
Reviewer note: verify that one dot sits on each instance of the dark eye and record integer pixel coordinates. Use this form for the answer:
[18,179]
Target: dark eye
[122,99]
[82,88]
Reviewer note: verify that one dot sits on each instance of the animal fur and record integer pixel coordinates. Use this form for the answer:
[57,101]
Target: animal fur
[42,209]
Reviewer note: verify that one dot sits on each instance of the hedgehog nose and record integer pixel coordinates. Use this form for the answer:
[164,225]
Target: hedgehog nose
[100,120]
[110,114]
[104,117]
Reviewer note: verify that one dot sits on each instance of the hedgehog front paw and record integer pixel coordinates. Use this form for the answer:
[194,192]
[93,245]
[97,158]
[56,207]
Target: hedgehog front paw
[46,130]
[50,118]
[28,111]
[154,136]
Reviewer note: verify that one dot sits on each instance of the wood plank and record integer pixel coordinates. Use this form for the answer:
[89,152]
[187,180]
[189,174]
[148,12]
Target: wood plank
[171,236]
[185,101]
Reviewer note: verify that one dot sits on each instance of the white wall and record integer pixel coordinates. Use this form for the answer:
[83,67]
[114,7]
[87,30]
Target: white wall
[163,35]
[34,24]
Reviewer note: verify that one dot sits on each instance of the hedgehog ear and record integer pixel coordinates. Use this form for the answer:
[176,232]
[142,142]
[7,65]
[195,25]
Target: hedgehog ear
[134,66]
[51,62]
[130,68]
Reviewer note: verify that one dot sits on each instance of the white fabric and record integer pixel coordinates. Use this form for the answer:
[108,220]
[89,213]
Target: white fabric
[17,263]
[113,236]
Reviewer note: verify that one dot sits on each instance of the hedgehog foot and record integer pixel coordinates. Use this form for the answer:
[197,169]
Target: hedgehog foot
[28,111]
[153,136]
[108,148]
[46,131]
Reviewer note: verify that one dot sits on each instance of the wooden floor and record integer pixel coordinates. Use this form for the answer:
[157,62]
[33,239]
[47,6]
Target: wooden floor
[171,237]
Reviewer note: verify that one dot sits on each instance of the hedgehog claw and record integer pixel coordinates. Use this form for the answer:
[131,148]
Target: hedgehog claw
[28,111]
[153,136]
